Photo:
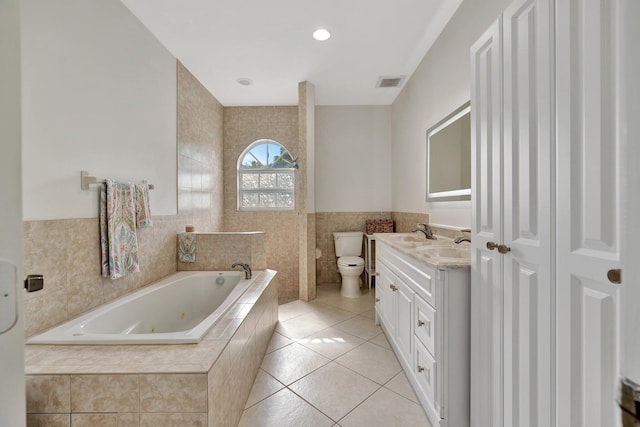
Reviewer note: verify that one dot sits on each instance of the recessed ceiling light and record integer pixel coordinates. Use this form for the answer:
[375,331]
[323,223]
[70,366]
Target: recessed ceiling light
[321,34]
[244,81]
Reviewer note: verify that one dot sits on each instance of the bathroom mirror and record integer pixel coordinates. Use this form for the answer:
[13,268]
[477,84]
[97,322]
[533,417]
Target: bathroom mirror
[449,157]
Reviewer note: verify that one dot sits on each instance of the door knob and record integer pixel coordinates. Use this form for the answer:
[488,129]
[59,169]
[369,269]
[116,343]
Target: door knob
[503,249]
[491,245]
[615,276]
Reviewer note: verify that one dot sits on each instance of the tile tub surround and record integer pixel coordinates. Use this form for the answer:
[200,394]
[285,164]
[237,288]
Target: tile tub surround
[205,384]
[67,253]
[219,250]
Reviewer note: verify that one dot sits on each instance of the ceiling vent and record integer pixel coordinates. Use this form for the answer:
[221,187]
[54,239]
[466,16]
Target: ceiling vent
[390,81]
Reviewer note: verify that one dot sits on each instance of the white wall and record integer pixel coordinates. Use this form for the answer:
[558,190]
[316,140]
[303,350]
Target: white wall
[439,85]
[12,388]
[353,148]
[99,94]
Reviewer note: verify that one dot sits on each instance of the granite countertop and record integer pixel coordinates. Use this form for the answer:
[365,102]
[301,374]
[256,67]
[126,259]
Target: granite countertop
[442,254]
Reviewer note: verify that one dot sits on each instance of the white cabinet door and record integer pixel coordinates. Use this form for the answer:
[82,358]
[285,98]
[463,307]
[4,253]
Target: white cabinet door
[486,220]
[404,325]
[587,213]
[386,305]
[529,203]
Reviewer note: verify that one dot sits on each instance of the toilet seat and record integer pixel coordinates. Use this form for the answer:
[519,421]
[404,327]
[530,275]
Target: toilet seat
[350,261]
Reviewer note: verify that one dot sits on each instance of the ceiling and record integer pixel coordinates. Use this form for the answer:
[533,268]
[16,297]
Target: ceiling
[270,42]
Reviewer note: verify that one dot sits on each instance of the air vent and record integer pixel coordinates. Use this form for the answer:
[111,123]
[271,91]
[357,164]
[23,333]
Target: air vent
[390,81]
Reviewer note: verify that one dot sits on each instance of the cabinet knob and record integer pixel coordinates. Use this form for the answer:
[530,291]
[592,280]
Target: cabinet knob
[615,276]
[377,273]
[503,249]
[491,245]
[393,288]
[420,323]
[420,368]
[377,299]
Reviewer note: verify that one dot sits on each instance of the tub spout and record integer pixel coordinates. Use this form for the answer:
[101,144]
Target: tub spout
[245,267]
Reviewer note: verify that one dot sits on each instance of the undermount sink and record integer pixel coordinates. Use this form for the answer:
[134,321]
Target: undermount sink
[443,252]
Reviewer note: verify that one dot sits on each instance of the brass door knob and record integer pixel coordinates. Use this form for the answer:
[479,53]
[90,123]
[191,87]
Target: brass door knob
[503,249]
[615,276]
[491,245]
[393,288]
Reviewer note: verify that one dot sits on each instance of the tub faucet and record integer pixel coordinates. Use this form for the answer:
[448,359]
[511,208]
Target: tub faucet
[463,238]
[426,230]
[245,267]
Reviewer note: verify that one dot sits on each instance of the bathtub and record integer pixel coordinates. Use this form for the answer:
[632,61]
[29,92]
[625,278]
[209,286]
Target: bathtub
[179,309]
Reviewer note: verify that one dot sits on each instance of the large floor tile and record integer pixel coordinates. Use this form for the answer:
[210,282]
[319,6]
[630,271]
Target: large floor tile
[292,362]
[386,409]
[301,326]
[330,314]
[381,340]
[292,309]
[331,342]
[372,361]
[263,386]
[360,326]
[334,389]
[277,341]
[283,409]
[400,384]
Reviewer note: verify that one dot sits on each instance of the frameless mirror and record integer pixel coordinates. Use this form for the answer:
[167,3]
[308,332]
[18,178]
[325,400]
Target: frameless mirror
[449,157]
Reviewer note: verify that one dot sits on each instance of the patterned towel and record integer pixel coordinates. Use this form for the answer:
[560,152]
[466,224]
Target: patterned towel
[118,240]
[187,247]
[143,213]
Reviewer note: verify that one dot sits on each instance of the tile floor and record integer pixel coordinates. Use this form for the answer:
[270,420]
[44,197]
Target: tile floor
[328,364]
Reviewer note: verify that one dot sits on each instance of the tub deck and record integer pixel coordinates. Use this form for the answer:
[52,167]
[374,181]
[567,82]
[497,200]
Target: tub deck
[187,379]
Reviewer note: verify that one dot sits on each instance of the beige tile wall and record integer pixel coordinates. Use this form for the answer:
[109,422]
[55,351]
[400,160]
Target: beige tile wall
[218,251]
[199,138]
[405,221]
[67,251]
[243,126]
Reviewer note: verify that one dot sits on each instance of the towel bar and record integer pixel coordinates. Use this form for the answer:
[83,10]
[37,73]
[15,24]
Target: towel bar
[86,181]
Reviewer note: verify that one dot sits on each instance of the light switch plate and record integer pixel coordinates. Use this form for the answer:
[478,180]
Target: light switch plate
[8,295]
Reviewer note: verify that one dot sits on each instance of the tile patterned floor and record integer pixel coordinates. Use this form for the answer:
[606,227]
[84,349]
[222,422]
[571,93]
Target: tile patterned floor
[328,364]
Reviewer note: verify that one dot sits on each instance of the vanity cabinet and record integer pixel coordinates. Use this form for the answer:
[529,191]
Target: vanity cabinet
[425,314]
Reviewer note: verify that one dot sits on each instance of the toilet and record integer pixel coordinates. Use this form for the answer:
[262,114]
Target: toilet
[350,264]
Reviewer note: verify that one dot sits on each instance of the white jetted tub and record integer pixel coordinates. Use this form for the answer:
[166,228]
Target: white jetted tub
[179,309]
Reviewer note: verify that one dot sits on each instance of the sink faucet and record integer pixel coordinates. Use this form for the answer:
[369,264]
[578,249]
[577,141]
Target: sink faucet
[426,230]
[463,238]
[245,267]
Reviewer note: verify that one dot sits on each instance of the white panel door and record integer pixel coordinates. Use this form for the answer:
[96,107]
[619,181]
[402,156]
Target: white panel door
[588,225]
[404,326]
[486,220]
[529,200]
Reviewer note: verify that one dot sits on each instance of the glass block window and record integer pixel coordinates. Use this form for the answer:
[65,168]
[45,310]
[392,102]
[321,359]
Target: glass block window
[266,179]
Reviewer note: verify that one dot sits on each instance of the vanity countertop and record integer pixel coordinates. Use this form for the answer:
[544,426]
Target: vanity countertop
[442,254]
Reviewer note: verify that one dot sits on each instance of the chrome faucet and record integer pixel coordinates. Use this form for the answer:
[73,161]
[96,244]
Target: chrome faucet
[426,230]
[463,238]
[245,267]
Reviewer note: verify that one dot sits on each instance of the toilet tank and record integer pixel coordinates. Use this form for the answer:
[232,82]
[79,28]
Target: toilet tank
[348,243]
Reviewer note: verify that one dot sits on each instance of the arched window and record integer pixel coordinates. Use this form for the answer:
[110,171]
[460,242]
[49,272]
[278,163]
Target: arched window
[266,178]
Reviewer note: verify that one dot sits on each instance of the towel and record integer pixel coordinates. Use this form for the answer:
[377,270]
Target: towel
[143,213]
[118,240]
[187,247]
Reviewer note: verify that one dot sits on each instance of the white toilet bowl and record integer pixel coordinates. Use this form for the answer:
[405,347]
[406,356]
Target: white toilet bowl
[350,267]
